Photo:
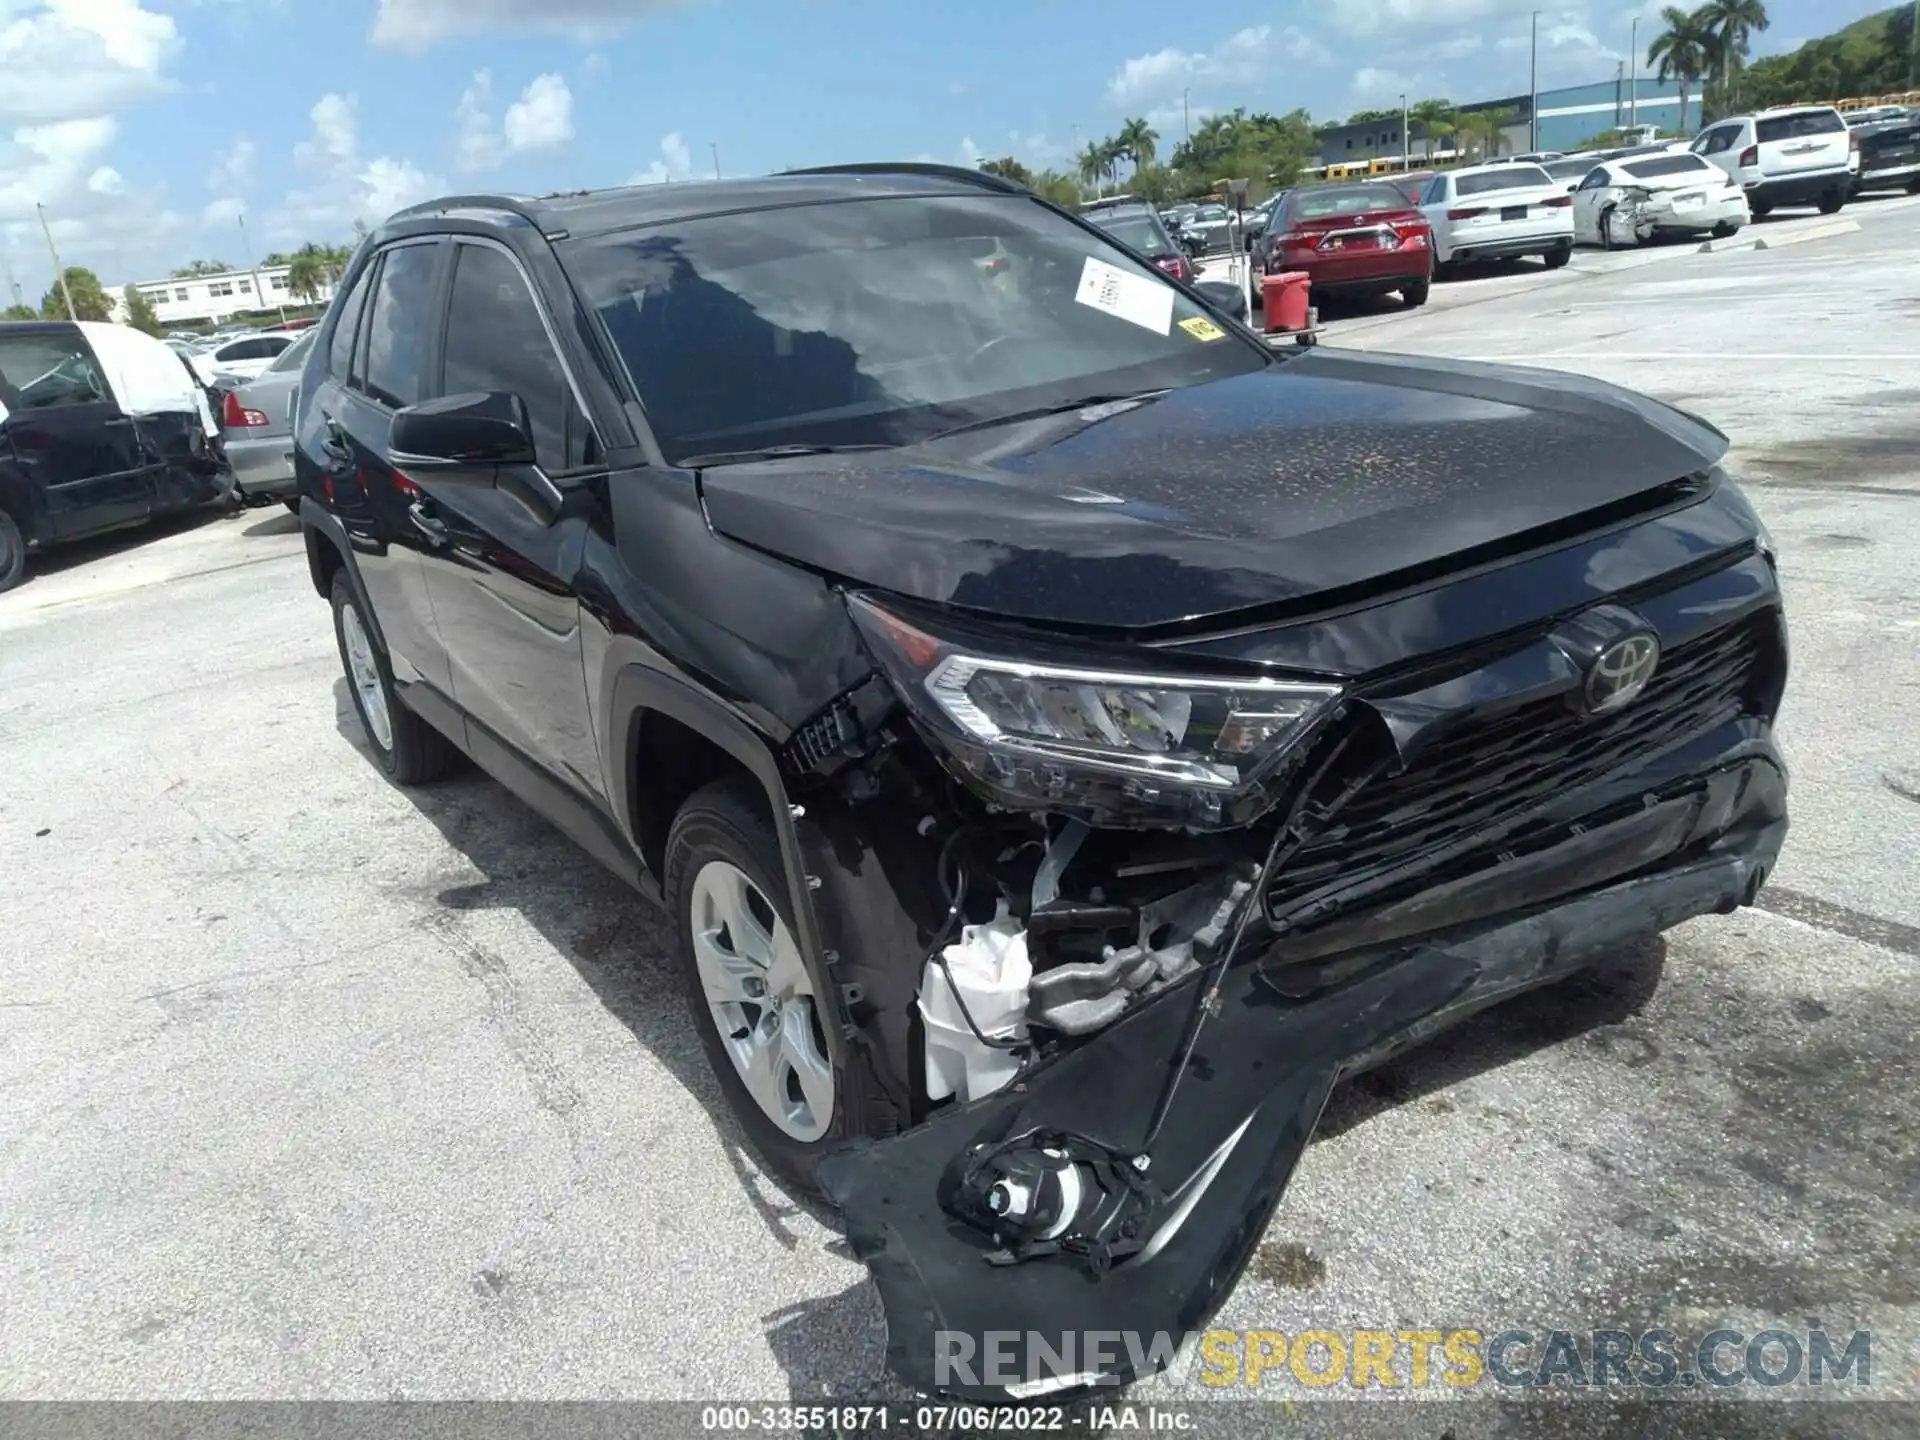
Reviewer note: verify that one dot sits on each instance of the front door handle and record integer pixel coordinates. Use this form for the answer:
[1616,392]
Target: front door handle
[433,529]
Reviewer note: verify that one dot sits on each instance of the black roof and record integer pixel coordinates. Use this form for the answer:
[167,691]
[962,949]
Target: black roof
[594,212]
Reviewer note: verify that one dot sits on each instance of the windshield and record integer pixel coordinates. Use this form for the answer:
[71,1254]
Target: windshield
[1507,177]
[1665,165]
[883,321]
[1347,200]
[1135,230]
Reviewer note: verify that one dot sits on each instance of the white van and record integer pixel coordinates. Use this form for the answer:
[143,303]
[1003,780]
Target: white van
[1796,155]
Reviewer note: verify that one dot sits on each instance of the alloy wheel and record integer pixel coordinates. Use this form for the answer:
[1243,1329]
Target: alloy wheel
[363,670]
[762,1000]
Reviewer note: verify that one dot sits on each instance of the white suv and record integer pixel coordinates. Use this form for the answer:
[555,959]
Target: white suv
[1797,155]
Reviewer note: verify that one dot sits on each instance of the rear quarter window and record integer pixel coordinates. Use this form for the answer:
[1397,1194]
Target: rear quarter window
[1800,122]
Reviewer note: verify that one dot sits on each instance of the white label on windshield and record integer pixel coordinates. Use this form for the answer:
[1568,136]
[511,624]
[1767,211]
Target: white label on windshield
[1134,298]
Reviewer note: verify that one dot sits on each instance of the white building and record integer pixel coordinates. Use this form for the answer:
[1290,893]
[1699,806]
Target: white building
[191,298]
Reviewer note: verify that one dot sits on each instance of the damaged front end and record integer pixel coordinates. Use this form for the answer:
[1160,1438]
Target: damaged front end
[1161,913]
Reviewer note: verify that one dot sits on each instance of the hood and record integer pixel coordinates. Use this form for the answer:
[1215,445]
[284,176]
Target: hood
[1322,473]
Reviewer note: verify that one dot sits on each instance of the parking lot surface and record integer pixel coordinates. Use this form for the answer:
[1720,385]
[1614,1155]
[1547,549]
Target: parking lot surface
[321,1088]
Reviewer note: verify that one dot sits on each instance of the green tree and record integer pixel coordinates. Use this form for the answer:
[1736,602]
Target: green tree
[19,312]
[1483,131]
[89,297]
[1062,190]
[1732,24]
[1361,117]
[1265,150]
[1683,51]
[201,267]
[1435,119]
[140,311]
[1008,168]
[312,268]
[1137,141]
[1157,184]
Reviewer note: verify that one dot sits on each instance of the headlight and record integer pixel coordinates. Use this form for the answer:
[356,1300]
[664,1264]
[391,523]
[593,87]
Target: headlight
[1117,745]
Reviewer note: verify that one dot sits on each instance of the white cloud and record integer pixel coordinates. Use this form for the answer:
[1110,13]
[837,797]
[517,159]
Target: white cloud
[542,117]
[347,185]
[51,164]
[1396,17]
[223,214]
[1259,53]
[675,162]
[233,169]
[476,144]
[1371,83]
[416,24]
[967,153]
[76,59]
[106,181]
[539,120]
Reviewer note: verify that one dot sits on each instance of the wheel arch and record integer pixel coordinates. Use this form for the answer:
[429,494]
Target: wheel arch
[330,552]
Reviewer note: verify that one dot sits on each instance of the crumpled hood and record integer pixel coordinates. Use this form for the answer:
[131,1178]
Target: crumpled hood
[1335,469]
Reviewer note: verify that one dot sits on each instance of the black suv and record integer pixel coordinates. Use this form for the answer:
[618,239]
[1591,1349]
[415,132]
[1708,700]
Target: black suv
[1066,733]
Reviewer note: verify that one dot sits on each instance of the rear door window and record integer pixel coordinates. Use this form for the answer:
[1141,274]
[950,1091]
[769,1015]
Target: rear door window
[399,326]
[347,329]
[1799,123]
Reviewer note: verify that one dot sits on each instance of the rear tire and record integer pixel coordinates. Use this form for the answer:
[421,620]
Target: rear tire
[722,847]
[1724,229]
[1760,209]
[13,552]
[1559,256]
[1831,202]
[408,749]
[1416,294]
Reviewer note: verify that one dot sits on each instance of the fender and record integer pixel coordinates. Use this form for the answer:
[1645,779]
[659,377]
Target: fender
[321,527]
[640,689]
[19,497]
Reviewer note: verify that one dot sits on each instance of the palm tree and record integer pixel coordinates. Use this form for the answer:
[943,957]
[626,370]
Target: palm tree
[1092,163]
[1484,127]
[1137,140]
[1685,49]
[1732,23]
[1435,119]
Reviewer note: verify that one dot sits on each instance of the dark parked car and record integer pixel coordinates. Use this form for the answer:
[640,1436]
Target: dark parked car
[1065,734]
[1354,240]
[101,427]
[1889,153]
[1140,228]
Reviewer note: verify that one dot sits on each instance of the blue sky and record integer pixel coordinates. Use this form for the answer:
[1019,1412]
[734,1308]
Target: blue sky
[148,128]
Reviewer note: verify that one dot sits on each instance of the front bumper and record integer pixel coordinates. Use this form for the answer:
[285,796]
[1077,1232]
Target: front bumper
[1291,1020]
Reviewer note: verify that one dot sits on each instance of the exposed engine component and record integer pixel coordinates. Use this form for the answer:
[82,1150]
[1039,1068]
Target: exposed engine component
[985,979]
[1080,998]
[1049,1192]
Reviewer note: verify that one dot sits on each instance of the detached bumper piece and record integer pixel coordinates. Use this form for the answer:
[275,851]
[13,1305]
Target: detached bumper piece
[1002,1233]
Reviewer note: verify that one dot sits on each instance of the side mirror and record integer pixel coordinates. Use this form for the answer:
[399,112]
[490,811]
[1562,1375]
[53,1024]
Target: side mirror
[1223,296]
[477,430]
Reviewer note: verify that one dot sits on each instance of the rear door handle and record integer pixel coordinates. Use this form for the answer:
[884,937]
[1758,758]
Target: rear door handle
[426,524]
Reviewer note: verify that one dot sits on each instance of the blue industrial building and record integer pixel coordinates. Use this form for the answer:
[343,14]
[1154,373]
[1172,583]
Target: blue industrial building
[1569,117]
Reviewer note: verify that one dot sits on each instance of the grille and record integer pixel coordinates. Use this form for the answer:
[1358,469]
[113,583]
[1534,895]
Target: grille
[1488,771]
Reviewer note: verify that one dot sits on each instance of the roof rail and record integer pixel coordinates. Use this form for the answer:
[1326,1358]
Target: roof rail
[511,204]
[983,179]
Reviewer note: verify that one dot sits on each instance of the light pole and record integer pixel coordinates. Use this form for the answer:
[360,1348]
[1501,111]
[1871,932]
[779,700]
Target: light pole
[1406,140]
[1186,110]
[715,147]
[59,275]
[1633,78]
[1533,86]
[246,249]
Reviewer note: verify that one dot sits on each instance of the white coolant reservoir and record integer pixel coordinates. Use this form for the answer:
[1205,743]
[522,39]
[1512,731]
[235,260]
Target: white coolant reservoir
[991,970]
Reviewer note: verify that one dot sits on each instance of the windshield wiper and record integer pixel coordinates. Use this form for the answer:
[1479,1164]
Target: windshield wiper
[770,452]
[1085,402]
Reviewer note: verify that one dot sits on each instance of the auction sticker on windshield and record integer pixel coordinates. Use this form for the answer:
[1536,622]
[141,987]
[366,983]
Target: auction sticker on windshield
[1133,298]
[1202,328]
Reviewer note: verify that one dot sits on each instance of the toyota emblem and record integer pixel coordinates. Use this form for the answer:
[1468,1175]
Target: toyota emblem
[1621,671]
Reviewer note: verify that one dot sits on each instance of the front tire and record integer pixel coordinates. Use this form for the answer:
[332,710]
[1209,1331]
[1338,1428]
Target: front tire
[408,749]
[13,552]
[767,1016]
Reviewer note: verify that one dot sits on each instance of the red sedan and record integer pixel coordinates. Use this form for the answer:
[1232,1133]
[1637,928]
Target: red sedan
[1357,239]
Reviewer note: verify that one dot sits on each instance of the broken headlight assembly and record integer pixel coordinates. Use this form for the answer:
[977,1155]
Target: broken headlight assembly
[1114,744]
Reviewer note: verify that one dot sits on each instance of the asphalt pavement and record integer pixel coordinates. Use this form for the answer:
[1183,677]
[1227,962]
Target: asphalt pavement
[317,1088]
